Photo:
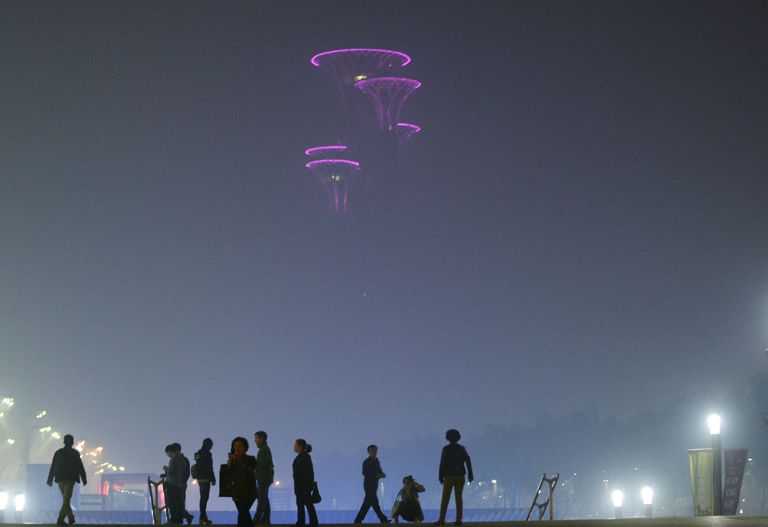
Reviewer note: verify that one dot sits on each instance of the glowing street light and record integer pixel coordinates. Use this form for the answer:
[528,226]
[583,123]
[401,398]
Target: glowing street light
[648,501]
[618,498]
[717,478]
[3,504]
[18,501]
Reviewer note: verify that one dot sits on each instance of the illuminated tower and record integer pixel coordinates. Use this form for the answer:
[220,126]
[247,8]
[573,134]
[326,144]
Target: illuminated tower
[334,173]
[388,94]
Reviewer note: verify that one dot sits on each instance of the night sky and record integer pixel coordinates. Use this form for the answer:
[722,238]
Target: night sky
[580,224]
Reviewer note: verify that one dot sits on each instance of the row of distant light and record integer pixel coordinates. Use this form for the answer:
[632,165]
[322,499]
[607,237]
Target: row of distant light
[18,501]
[9,402]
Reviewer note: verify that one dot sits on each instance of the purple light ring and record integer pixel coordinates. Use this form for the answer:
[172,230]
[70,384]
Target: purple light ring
[311,165]
[390,81]
[363,51]
[312,151]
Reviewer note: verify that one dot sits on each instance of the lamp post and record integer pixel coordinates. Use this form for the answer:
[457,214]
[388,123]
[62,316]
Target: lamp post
[648,501]
[717,479]
[18,501]
[3,504]
[618,498]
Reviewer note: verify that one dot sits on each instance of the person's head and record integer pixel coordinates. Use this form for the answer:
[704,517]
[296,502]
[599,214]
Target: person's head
[302,446]
[239,446]
[170,451]
[408,481]
[69,440]
[207,443]
[373,450]
[453,436]
[176,447]
[260,437]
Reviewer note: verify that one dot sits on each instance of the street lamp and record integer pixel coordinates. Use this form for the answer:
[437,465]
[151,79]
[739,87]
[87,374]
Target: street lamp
[618,498]
[18,501]
[717,478]
[3,504]
[648,501]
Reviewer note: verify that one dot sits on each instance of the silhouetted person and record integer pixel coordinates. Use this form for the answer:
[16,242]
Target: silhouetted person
[304,482]
[185,476]
[174,484]
[371,475]
[265,474]
[407,504]
[452,472]
[66,469]
[243,480]
[205,477]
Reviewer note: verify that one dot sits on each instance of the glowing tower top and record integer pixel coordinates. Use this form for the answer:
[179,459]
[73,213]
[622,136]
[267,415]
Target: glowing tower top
[349,66]
[388,94]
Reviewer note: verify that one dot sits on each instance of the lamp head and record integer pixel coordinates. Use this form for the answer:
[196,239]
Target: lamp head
[714,424]
[618,498]
[647,496]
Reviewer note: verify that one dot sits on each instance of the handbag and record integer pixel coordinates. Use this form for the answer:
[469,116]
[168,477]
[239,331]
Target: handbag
[315,497]
[225,481]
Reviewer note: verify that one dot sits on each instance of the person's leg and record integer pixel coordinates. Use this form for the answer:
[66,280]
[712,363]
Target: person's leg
[312,513]
[205,493]
[459,486]
[444,502]
[363,509]
[66,488]
[301,520]
[244,513]
[377,509]
[262,509]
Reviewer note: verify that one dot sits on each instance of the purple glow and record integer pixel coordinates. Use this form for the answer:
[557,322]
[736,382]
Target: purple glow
[335,175]
[388,94]
[405,130]
[323,149]
[346,64]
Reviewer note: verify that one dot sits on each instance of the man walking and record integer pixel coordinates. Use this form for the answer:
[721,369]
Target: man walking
[371,475]
[185,476]
[265,474]
[66,469]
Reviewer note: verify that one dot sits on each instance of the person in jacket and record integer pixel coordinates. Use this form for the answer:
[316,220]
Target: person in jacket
[185,477]
[304,482]
[205,477]
[452,472]
[66,469]
[265,474]
[243,480]
[372,473]
[407,505]
[174,484]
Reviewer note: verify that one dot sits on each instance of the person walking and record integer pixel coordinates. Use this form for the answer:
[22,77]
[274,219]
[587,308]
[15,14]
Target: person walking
[174,484]
[185,477]
[372,473]
[265,474]
[66,469]
[243,480]
[452,472]
[304,482]
[205,477]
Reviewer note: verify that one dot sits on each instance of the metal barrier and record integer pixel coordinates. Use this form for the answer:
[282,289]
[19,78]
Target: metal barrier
[551,482]
[154,499]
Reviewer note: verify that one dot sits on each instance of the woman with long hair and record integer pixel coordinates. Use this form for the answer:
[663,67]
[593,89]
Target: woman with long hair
[304,482]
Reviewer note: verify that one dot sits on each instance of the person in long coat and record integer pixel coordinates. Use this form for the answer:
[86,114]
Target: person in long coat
[304,482]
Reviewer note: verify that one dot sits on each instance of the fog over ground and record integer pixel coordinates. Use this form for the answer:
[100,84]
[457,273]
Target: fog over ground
[578,232]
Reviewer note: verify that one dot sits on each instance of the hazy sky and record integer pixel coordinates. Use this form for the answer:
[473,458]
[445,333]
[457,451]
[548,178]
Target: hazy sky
[580,223]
